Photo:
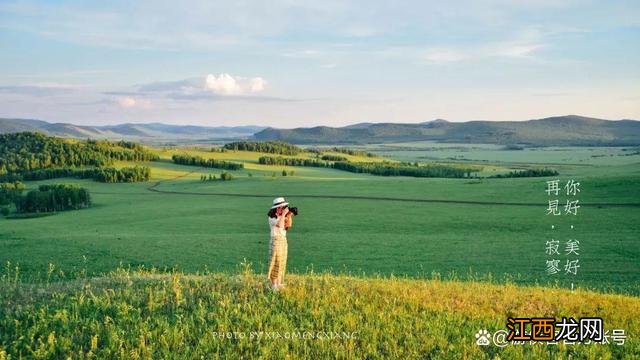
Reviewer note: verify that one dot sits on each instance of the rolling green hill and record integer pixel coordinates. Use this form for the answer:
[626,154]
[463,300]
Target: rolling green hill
[554,131]
[415,266]
[568,130]
[152,315]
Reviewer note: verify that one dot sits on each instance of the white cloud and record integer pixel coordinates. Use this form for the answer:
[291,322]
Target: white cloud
[222,86]
[257,84]
[225,84]
[127,102]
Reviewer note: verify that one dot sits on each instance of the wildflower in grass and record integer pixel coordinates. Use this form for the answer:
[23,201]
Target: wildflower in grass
[51,339]
[94,342]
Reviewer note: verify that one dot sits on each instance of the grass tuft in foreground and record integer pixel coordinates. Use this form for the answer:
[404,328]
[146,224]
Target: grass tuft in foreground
[148,314]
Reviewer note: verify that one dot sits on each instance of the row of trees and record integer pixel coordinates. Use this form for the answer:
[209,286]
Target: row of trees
[212,177]
[28,151]
[50,173]
[528,173]
[352,152]
[122,175]
[10,192]
[270,147]
[329,157]
[279,160]
[49,198]
[104,174]
[211,163]
[390,169]
[376,168]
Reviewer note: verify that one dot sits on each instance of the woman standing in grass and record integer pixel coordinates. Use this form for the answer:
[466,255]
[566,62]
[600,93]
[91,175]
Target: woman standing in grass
[279,222]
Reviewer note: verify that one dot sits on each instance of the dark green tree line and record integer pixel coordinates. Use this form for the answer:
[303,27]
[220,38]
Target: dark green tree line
[10,192]
[375,168]
[329,157]
[391,169]
[49,198]
[271,147]
[225,176]
[279,160]
[29,151]
[210,163]
[127,174]
[527,173]
[103,174]
[352,152]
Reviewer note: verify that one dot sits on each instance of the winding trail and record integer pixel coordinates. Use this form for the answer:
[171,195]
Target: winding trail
[154,188]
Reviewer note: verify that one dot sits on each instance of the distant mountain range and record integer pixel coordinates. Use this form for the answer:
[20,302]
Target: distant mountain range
[150,132]
[553,131]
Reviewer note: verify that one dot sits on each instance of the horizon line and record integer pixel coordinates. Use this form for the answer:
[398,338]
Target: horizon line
[310,126]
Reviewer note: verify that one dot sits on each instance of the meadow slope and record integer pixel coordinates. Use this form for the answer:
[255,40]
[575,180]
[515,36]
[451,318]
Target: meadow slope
[471,228]
[145,314]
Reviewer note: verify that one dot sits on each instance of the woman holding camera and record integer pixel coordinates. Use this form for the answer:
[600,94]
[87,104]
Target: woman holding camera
[280,220]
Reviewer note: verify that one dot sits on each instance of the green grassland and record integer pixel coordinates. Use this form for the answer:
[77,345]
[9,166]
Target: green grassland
[149,315]
[490,153]
[415,265]
[461,227]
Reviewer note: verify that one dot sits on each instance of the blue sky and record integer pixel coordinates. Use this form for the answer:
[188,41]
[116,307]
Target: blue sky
[305,63]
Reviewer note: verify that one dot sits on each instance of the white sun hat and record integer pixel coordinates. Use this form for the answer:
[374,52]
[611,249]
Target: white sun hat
[279,201]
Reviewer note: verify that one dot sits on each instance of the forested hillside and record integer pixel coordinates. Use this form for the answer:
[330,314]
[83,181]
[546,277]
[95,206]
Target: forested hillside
[27,151]
[555,131]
